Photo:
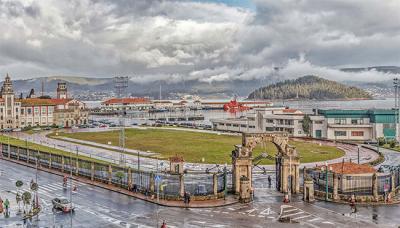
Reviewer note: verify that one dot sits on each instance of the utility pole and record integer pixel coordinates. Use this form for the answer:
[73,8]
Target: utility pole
[396,107]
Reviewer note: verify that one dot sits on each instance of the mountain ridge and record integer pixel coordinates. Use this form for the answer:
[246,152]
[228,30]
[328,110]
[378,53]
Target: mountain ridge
[309,87]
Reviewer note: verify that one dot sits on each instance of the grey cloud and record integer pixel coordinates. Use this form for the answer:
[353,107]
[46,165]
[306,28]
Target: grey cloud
[176,40]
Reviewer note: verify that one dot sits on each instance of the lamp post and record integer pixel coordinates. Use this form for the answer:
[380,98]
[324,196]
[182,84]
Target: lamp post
[358,154]
[396,106]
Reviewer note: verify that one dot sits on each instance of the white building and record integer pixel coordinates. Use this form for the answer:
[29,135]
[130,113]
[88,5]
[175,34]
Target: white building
[361,125]
[264,120]
[30,112]
[131,103]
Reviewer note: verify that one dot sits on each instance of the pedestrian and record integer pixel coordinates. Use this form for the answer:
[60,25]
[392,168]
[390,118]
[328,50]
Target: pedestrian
[269,181]
[164,225]
[188,200]
[6,206]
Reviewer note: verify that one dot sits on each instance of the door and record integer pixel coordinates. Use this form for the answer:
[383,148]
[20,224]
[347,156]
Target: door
[318,134]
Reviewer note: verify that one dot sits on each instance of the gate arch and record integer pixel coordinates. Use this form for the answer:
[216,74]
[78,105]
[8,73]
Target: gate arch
[287,160]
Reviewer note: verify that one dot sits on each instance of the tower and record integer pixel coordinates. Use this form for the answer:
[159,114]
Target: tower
[7,93]
[62,90]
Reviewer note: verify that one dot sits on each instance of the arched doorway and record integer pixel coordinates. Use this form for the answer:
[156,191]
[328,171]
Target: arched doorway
[287,161]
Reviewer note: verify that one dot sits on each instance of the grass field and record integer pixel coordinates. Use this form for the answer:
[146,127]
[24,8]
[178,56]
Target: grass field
[34,146]
[196,146]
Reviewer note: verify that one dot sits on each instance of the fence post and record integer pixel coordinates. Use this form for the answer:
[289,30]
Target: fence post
[18,153]
[129,178]
[215,184]
[50,160]
[62,163]
[38,158]
[27,155]
[152,184]
[375,186]
[393,184]
[77,166]
[181,185]
[109,174]
[92,172]
[335,186]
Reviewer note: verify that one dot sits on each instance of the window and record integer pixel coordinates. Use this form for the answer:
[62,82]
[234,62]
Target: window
[29,111]
[228,125]
[43,110]
[357,133]
[340,121]
[36,110]
[243,125]
[235,125]
[16,110]
[50,110]
[269,129]
[221,124]
[270,120]
[340,133]
[318,122]
[22,111]
[357,121]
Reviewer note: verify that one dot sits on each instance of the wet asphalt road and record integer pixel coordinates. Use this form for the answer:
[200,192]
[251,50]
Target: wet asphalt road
[96,207]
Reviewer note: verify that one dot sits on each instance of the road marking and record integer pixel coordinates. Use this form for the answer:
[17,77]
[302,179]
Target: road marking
[251,211]
[289,215]
[291,210]
[301,217]
[314,219]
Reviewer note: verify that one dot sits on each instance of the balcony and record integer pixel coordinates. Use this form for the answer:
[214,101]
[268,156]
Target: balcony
[349,125]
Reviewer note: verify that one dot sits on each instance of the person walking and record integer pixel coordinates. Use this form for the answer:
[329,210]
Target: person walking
[269,181]
[6,206]
[164,225]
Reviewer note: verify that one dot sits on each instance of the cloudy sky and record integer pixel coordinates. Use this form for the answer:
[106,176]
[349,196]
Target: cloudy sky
[212,40]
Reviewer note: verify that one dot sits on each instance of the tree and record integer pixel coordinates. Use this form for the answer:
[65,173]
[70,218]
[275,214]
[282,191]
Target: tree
[120,175]
[306,124]
[26,199]
[18,198]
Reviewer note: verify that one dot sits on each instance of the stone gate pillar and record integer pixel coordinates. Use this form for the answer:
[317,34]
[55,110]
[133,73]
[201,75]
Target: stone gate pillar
[290,168]
[241,166]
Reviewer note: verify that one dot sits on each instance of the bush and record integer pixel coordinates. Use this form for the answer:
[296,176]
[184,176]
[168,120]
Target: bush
[392,143]
[381,141]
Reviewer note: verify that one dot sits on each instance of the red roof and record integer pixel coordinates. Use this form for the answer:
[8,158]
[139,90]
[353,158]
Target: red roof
[48,102]
[176,159]
[349,168]
[289,110]
[134,100]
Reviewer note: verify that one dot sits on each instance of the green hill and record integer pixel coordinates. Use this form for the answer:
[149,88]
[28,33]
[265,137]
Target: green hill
[309,87]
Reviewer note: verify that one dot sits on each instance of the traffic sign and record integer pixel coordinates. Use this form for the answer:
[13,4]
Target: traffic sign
[157,178]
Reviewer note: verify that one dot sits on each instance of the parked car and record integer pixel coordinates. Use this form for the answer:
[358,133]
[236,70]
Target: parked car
[17,129]
[63,204]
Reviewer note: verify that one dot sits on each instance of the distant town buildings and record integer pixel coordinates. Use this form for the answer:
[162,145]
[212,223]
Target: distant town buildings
[43,111]
[333,124]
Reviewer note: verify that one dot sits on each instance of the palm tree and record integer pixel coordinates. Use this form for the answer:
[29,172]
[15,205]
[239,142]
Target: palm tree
[26,199]
[18,198]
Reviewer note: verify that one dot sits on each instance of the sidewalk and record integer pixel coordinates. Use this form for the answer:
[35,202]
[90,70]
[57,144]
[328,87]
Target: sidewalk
[193,204]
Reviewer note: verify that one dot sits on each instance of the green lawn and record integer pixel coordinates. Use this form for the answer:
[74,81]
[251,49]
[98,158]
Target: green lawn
[34,146]
[195,146]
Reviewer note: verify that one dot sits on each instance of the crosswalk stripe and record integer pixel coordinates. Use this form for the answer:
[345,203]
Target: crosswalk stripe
[301,217]
[314,219]
[290,210]
[289,215]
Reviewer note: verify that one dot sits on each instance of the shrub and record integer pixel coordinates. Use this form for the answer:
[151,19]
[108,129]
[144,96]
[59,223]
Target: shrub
[381,141]
[392,143]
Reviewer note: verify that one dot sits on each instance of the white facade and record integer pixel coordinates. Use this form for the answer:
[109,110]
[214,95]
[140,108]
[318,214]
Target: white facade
[265,120]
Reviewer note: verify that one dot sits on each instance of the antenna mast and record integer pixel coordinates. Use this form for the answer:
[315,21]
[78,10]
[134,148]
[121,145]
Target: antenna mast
[121,85]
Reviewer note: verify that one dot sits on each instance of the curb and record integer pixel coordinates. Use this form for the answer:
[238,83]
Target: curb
[121,191]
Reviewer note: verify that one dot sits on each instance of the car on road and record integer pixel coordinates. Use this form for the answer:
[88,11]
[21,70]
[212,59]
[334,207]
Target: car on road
[17,129]
[63,204]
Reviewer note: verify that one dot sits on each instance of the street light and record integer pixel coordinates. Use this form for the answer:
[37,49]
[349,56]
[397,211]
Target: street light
[396,85]
[358,153]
